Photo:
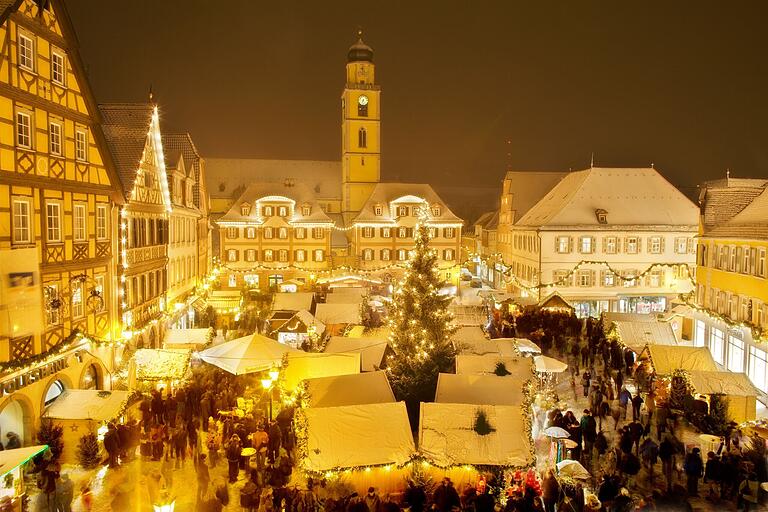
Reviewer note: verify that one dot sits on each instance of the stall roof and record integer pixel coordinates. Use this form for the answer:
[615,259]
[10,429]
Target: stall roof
[346,296]
[188,336]
[480,389]
[371,350]
[555,300]
[508,347]
[87,404]
[725,383]
[468,334]
[518,367]
[447,435]
[355,389]
[160,364]
[545,364]
[313,365]
[357,435]
[285,301]
[11,459]
[612,316]
[636,335]
[667,359]
[302,317]
[224,299]
[338,313]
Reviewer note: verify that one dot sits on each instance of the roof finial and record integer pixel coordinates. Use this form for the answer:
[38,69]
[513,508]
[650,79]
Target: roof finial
[151,96]
[727,173]
[360,32]
[652,165]
[592,161]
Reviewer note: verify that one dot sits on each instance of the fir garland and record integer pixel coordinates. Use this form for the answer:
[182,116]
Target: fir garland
[482,426]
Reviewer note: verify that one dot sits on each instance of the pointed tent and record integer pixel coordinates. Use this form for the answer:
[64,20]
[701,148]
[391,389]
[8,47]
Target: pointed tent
[248,354]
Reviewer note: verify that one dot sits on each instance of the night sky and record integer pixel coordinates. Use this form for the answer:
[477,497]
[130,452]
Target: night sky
[470,89]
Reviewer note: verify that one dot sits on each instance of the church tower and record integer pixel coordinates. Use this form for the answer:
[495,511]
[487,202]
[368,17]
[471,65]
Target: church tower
[360,130]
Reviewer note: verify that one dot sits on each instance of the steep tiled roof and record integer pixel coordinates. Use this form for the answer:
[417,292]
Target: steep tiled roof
[722,199]
[297,192]
[528,187]
[488,220]
[632,197]
[7,7]
[385,193]
[182,142]
[751,222]
[225,175]
[125,127]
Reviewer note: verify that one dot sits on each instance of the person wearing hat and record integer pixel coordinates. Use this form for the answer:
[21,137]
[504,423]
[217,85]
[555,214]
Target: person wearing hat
[694,469]
[234,449]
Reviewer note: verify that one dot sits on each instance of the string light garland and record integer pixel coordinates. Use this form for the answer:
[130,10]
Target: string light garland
[758,333]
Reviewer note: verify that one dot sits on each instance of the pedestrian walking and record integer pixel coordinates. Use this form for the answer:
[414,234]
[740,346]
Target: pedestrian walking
[694,469]
[203,478]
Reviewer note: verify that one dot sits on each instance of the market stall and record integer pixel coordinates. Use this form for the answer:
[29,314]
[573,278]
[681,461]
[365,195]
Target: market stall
[193,339]
[85,411]
[312,365]
[337,317]
[342,390]
[301,328]
[362,445]
[667,359]
[373,351]
[481,389]
[155,368]
[741,393]
[635,335]
[12,463]
[493,364]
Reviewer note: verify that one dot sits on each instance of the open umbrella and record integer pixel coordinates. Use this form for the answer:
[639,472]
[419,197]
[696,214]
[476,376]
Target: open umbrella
[573,469]
[546,364]
[557,433]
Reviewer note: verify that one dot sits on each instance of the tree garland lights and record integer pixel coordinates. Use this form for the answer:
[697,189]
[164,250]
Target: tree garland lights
[74,340]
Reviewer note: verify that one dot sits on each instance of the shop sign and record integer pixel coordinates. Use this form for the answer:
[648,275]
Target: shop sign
[40,373]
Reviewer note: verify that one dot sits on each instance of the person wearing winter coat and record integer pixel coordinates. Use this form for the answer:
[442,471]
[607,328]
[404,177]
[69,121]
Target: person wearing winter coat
[637,401]
[625,397]
[372,500]
[550,489]
[415,497]
[234,448]
[446,497]
[694,469]
[667,450]
[588,433]
[713,473]
[649,451]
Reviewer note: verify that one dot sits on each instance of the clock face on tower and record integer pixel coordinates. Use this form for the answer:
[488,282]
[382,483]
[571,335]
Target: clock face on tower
[362,100]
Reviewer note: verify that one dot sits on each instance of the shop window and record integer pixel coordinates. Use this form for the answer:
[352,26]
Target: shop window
[717,344]
[758,368]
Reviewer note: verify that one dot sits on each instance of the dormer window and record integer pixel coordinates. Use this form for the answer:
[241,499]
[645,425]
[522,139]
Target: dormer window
[306,210]
[402,211]
[436,210]
[602,216]
[282,211]
[378,210]
[268,211]
[245,209]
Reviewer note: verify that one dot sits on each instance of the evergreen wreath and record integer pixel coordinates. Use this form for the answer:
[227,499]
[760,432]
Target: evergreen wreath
[482,426]
[501,369]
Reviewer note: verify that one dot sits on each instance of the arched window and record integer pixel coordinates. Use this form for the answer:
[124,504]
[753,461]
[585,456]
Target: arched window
[54,391]
[90,378]
[362,141]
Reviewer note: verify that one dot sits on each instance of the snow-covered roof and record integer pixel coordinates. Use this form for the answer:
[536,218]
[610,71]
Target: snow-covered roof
[286,301]
[346,296]
[160,364]
[385,193]
[188,336]
[300,321]
[520,368]
[631,197]
[528,187]
[722,199]
[338,313]
[297,193]
[636,335]
[724,383]
[751,222]
[354,389]
[87,404]
[667,359]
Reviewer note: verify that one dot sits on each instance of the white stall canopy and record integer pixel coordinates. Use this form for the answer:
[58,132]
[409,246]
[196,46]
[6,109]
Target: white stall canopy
[479,389]
[355,389]
[371,350]
[87,404]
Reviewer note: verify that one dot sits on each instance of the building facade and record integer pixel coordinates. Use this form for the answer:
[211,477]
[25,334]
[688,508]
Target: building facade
[606,240]
[309,220]
[731,315]
[133,134]
[59,195]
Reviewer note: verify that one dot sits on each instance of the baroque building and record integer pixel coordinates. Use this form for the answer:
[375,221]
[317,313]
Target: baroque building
[135,141]
[59,197]
[604,239]
[731,300]
[312,221]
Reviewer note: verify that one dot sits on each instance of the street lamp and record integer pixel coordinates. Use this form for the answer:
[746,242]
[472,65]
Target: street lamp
[267,385]
[274,373]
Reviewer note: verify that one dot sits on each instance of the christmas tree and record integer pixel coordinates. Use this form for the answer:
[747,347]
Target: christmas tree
[88,451]
[51,434]
[421,329]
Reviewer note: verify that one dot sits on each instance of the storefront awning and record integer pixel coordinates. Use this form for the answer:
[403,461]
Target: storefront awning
[221,300]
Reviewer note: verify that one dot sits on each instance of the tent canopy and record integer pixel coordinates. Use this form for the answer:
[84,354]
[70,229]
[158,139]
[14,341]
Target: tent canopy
[479,389]
[87,404]
[667,359]
[338,313]
[11,459]
[312,365]
[469,334]
[371,350]
[523,345]
[357,435]
[356,389]
[160,364]
[519,367]
[507,347]
[248,354]
[224,299]
[545,364]
[188,336]
[300,321]
[286,301]
[447,435]
[725,383]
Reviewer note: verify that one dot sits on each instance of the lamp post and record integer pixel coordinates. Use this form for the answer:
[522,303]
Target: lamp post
[267,385]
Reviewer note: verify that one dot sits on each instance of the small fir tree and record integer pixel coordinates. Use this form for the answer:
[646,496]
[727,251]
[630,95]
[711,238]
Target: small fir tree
[421,329]
[51,433]
[88,451]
